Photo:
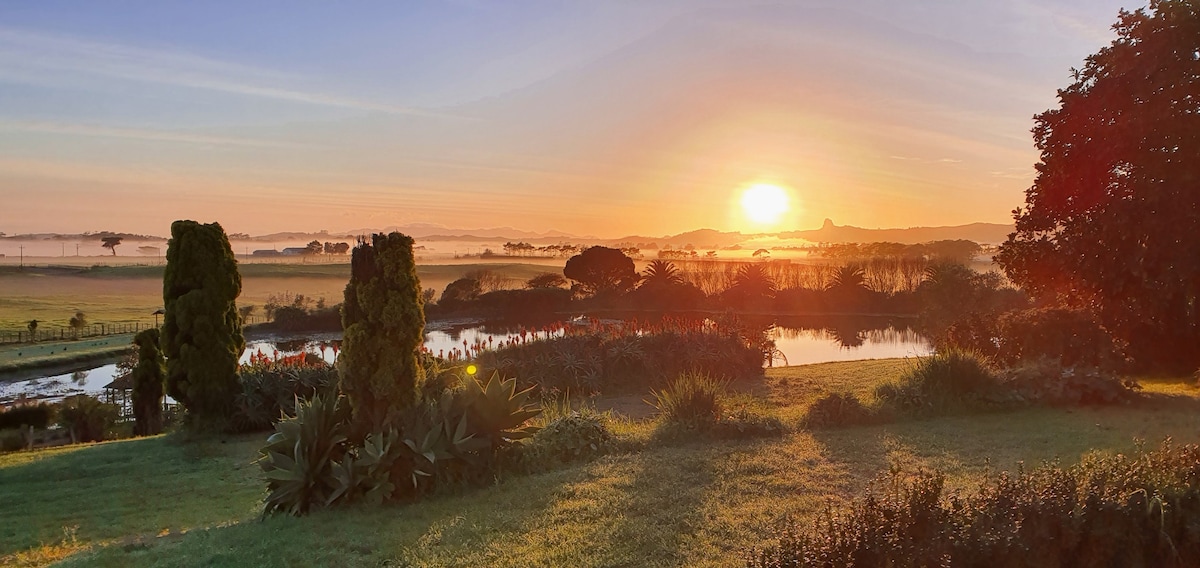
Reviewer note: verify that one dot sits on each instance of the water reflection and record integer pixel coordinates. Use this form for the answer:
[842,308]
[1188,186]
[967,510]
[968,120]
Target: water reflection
[801,340]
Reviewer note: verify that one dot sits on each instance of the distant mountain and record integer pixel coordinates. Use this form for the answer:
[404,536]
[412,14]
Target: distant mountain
[436,232]
[984,233]
[97,236]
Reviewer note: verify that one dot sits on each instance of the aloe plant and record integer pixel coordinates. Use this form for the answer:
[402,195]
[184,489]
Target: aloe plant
[497,413]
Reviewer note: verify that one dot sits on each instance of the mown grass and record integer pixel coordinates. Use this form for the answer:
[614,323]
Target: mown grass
[696,503]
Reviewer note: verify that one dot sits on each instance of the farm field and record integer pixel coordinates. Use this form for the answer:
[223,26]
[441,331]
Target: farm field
[130,294]
[653,502]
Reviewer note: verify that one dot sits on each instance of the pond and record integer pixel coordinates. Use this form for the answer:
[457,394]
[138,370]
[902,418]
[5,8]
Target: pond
[801,341]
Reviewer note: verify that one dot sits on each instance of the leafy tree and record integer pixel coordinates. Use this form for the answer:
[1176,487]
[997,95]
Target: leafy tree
[1112,221]
[546,280]
[77,323]
[202,330]
[601,270]
[32,326]
[459,291]
[111,243]
[314,247]
[148,377]
[384,321]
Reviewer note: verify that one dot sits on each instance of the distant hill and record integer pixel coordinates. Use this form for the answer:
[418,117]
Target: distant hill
[983,233]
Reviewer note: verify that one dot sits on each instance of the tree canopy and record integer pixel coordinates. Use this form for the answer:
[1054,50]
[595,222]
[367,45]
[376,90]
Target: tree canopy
[384,321]
[202,331]
[111,243]
[601,270]
[1112,221]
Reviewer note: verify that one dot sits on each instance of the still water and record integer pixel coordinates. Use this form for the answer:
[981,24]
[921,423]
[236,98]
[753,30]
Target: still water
[801,342]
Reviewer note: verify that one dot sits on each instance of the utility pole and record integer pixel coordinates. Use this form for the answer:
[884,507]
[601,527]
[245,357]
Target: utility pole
[76,249]
[22,247]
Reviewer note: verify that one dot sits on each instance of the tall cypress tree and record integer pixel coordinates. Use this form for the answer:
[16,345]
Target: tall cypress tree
[383,318]
[148,382]
[202,331]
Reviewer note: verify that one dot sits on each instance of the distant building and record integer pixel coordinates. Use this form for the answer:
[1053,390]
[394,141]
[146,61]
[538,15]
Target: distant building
[266,252]
[294,251]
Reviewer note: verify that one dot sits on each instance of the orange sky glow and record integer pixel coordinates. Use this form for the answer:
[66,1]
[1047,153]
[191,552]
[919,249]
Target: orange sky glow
[605,120]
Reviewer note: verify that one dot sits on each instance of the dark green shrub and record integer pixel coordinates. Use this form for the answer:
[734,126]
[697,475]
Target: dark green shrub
[39,415]
[271,389]
[951,378]
[837,409]
[149,378]
[384,324]
[1071,336]
[574,436]
[202,330]
[12,440]
[1049,381]
[692,400]
[1138,510]
[88,419]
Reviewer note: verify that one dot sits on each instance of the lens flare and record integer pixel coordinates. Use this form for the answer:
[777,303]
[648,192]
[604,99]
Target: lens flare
[764,204]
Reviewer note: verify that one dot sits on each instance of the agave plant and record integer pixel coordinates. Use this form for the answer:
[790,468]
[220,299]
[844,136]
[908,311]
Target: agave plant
[496,412]
[298,458]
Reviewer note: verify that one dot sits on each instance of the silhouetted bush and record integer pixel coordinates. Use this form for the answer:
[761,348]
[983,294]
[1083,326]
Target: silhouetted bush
[40,416]
[1071,336]
[577,435]
[516,303]
[87,418]
[1106,511]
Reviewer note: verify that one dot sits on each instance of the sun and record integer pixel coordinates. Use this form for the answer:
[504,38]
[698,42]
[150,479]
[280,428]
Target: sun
[764,204]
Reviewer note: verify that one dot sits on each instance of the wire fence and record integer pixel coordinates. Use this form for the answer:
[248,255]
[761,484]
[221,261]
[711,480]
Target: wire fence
[91,330]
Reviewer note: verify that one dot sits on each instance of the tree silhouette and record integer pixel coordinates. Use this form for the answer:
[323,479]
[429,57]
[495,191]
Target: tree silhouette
[32,326]
[662,273]
[1112,220]
[546,280]
[149,377]
[111,243]
[601,270]
[77,323]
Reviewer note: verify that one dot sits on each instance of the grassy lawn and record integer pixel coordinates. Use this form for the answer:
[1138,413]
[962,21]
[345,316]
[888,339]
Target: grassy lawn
[163,502]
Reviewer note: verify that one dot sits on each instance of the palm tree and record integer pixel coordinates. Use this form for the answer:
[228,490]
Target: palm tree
[849,277]
[662,272]
[752,280]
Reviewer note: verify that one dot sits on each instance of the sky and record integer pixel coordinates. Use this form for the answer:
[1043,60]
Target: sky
[605,118]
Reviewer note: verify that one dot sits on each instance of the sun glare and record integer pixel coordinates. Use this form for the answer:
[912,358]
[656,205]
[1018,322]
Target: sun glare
[764,204]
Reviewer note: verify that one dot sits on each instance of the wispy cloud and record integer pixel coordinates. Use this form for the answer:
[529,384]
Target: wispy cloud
[141,134]
[34,57]
[926,160]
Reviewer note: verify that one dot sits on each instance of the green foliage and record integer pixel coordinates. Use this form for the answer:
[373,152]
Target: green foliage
[496,412]
[39,415]
[605,361]
[271,390]
[12,440]
[1107,511]
[149,377]
[744,423]
[601,271]
[298,460]
[384,323]
[692,400]
[837,409]
[948,380]
[1110,221]
[577,435]
[1071,336]
[202,331]
[88,419]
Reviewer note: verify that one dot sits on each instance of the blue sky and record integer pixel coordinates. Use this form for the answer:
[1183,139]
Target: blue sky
[607,118]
